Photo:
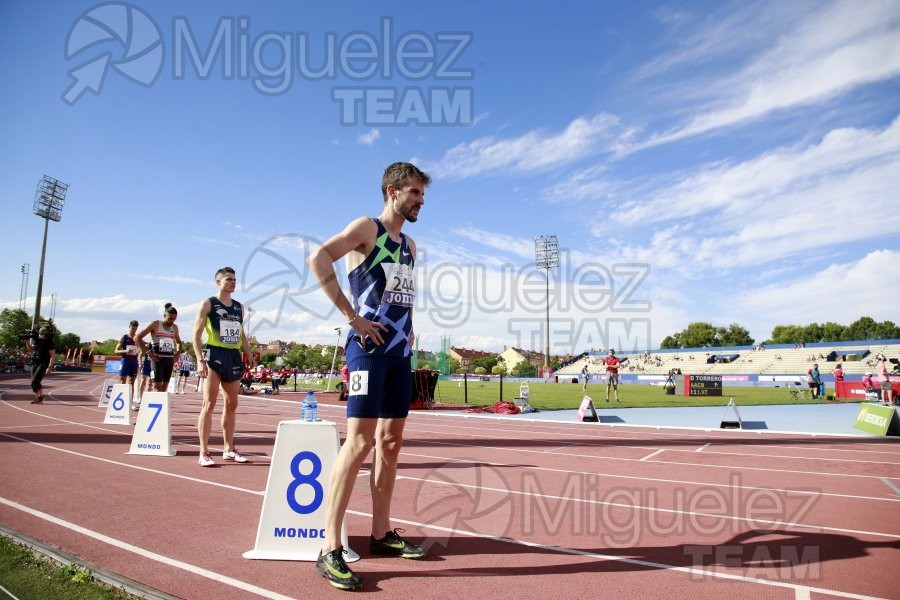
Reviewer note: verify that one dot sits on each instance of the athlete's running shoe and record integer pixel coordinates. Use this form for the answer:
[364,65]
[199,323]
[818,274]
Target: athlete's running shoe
[235,456]
[206,460]
[332,567]
[394,545]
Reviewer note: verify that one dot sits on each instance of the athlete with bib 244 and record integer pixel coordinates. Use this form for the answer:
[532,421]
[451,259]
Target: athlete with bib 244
[380,261]
[220,362]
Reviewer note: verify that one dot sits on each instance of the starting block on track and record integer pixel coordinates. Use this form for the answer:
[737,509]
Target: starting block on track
[106,392]
[292,520]
[152,431]
[118,410]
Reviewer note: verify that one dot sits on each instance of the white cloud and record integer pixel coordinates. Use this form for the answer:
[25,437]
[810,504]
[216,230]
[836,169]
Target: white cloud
[784,203]
[841,293]
[534,150]
[369,138]
[841,47]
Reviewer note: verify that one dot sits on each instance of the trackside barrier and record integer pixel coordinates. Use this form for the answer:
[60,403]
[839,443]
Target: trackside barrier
[152,431]
[106,392]
[737,423]
[118,410]
[292,521]
[877,419]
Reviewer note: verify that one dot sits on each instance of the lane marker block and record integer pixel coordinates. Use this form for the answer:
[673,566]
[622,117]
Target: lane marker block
[118,410]
[586,411]
[292,521]
[733,424]
[152,431]
[106,392]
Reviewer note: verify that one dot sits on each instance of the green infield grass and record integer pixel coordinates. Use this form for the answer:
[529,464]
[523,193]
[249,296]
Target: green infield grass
[550,396]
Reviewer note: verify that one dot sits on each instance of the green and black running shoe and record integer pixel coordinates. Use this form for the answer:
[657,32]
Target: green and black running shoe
[332,567]
[394,545]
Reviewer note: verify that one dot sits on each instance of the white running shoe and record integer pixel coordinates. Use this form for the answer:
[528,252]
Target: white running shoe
[235,456]
[206,460]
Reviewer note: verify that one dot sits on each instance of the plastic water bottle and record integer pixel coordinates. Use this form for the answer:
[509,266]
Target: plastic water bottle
[309,409]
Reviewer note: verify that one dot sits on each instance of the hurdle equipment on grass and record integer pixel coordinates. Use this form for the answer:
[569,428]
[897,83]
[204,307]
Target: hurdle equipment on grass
[152,431]
[586,411]
[292,520]
[106,392]
[731,424]
[118,409]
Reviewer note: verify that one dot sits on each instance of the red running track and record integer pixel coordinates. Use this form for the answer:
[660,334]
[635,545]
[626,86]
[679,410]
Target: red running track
[508,507]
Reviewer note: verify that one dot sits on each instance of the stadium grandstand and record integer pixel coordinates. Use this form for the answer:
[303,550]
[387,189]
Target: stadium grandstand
[778,360]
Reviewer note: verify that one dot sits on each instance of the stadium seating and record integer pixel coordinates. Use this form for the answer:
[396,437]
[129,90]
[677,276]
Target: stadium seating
[771,361]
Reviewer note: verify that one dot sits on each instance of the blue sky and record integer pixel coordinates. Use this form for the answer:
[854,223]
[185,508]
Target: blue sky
[728,162]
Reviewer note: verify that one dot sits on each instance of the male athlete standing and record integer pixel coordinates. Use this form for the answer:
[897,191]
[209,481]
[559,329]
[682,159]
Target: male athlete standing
[612,373]
[379,262]
[220,363]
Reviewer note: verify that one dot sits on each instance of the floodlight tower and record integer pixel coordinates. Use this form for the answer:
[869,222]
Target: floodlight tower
[23,290]
[546,256]
[48,204]
[334,358]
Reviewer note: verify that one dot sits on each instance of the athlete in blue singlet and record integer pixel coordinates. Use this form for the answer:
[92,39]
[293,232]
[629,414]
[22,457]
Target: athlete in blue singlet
[380,260]
[128,350]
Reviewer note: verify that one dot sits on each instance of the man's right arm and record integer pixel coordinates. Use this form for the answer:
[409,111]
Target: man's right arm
[358,236]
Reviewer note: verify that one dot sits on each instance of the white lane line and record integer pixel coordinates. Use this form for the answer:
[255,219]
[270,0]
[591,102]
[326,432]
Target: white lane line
[667,462]
[800,591]
[143,552]
[753,522]
[732,484]
[651,455]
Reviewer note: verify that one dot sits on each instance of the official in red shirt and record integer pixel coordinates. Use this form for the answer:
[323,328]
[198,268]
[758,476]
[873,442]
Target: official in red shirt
[612,373]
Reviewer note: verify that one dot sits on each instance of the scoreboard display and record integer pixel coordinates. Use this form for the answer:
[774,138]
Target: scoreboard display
[703,385]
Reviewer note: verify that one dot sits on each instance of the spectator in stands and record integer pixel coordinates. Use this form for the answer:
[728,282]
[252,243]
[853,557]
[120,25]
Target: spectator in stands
[884,380]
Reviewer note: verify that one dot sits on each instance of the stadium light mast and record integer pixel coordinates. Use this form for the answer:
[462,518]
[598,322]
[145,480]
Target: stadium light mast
[48,204]
[23,290]
[334,358]
[546,256]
